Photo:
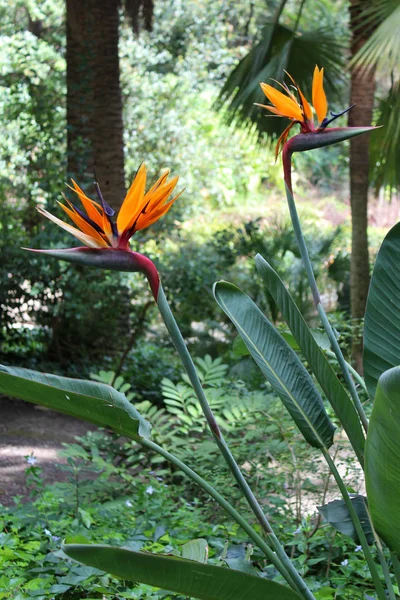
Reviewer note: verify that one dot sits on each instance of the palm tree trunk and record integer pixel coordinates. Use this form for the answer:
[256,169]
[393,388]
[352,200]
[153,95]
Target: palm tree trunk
[108,130]
[362,93]
[94,104]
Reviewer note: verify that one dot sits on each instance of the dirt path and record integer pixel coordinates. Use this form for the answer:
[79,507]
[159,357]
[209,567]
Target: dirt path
[26,429]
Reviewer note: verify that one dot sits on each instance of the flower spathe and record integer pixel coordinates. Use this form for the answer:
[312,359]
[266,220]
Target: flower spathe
[140,209]
[107,241]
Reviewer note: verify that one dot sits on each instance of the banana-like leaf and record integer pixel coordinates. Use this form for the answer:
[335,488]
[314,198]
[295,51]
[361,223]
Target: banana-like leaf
[337,514]
[382,315]
[325,375]
[382,460]
[94,402]
[175,574]
[279,364]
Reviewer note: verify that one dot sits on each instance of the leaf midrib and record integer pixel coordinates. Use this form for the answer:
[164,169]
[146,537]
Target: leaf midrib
[277,377]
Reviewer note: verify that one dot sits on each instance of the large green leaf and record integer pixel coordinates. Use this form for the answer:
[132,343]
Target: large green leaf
[334,390]
[382,460]
[382,315]
[175,574]
[94,402]
[279,364]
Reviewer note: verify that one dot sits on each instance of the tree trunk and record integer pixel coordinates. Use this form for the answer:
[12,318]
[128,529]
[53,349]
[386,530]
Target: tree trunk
[362,93]
[94,105]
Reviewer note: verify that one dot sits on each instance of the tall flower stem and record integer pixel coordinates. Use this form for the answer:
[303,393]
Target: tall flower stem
[253,535]
[190,369]
[357,376]
[320,309]
[396,567]
[357,525]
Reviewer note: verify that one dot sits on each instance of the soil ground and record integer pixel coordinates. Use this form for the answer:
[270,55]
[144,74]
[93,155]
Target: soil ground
[27,429]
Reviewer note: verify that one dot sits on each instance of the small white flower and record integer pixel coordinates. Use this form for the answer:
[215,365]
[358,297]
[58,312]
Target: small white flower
[149,490]
[344,562]
[31,460]
[358,549]
[47,532]
[297,531]
[129,504]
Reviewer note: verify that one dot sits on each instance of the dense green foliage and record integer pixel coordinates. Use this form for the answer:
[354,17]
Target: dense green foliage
[120,495]
[170,80]
[71,320]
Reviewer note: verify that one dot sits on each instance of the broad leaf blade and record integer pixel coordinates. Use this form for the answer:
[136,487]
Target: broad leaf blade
[175,574]
[382,459]
[325,375]
[382,315]
[337,514]
[279,364]
[94,402]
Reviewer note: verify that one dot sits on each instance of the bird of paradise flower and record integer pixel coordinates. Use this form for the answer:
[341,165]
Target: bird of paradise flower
[140,209]
[106,240]
[293,105]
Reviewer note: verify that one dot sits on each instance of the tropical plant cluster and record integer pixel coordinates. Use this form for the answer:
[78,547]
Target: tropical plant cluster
[204,476]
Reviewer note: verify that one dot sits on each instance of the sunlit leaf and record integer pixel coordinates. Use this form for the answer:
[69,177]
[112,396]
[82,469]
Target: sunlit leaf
[94,402]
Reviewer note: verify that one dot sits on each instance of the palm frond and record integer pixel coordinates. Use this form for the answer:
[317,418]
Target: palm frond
[280,48]
[385,142]
[382,49]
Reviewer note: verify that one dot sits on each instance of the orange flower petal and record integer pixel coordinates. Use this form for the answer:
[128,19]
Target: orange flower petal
[154,198]
[84,226]
[286,106]
[146,220]
[159,182]
[318,94]
[271,109]
[82,237]
[88,204]
[134,201]
[306,106]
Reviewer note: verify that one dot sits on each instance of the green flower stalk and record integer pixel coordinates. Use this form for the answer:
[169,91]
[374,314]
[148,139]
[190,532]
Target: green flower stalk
[299,111]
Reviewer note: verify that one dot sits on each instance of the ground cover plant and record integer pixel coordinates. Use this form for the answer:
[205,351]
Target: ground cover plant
[371,522]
